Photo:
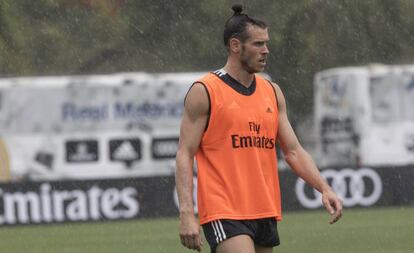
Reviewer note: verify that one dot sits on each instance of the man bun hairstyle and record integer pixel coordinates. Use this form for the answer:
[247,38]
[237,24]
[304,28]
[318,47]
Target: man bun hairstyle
[235,26]
[237,8]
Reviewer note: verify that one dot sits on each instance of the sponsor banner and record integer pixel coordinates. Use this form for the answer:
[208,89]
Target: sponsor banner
[97,155]
[151,197]
[361,187]
[91,103]
[86,200]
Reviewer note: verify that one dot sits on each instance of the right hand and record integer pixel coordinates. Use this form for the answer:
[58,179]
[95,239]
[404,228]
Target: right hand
[190,232]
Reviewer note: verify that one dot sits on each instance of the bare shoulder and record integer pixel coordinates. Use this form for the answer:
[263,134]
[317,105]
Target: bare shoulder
[280,97]
[197,101]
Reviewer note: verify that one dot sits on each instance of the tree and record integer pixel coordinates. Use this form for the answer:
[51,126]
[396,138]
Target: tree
[55,37]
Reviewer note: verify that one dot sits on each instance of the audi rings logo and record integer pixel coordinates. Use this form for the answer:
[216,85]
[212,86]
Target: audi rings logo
[355,187]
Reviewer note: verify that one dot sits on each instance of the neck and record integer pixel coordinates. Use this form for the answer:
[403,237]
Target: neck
[238,73]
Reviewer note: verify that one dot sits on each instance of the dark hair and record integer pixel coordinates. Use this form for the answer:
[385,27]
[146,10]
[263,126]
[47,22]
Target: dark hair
[235,26]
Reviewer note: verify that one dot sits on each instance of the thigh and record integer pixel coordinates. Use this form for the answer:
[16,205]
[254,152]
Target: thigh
[237,244]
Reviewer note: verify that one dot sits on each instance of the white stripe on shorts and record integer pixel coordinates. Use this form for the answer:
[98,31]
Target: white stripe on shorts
[222,230]
[215,232]
[218,231]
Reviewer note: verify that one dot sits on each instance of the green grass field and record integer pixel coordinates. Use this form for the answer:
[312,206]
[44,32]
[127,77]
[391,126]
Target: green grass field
[361,230]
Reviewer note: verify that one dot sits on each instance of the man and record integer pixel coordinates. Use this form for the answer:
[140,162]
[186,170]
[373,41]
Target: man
[231,123]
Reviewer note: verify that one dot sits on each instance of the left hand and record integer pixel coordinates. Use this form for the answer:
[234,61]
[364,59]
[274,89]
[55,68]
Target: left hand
[333,204]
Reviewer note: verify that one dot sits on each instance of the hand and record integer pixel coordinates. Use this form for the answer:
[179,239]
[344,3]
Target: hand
[333,204]
[190,232]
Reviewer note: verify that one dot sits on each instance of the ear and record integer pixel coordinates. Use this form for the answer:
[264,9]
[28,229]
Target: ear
[234,45]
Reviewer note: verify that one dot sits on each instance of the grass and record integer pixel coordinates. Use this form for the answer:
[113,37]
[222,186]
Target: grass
[387,230]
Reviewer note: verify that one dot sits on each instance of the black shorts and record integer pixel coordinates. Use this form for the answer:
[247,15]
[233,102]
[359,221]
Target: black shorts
[262,231]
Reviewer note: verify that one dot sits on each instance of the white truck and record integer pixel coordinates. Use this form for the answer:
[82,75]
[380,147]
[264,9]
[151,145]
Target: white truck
[364,116]
[94,126]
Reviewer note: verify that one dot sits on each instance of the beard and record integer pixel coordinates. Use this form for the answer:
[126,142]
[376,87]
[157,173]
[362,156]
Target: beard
[247,63]
[247,66]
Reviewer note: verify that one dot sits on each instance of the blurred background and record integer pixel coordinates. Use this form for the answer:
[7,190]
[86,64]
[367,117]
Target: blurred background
[91,96]
[62,37]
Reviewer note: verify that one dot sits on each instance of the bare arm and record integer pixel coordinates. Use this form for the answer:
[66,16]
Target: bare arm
[302,163]
[193,123]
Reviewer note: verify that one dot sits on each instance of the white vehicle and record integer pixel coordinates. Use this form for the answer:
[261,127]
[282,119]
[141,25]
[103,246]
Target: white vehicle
[95,126]
[364,116]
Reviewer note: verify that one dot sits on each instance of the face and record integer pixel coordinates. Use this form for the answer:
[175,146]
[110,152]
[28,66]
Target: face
[254,51]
